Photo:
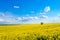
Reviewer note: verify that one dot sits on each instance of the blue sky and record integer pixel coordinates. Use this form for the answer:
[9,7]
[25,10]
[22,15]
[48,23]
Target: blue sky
[29,11]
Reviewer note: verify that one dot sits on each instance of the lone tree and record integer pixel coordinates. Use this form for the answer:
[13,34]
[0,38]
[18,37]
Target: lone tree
[41,23]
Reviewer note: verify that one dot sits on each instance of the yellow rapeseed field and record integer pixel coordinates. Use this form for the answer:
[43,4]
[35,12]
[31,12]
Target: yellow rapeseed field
[30,32]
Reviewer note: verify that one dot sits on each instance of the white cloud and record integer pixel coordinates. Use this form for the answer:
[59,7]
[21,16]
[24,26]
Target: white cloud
[31,17]
[1,20]
[42,13]
[16,6]
[25,18]
[7,17]
[19,18]
[28,19]
[11,19]
[36,18]
[44,16]
[47,9]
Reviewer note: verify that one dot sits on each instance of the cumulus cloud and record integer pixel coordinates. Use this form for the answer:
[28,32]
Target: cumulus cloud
[1,20]
[44,16]
[11,19]
[31,18]
[16,6]
[28,19]
[7,17]
[42,13]
[19,18]
[36,18]
[25,19]
[47,9]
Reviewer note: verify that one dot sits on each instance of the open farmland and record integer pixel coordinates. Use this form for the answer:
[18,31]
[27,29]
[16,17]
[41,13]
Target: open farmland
[30,32]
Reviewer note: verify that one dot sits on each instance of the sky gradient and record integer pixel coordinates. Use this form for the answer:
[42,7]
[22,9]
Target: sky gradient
[29,11]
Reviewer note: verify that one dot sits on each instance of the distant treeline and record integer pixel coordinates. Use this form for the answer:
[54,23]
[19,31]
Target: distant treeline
[8,24]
